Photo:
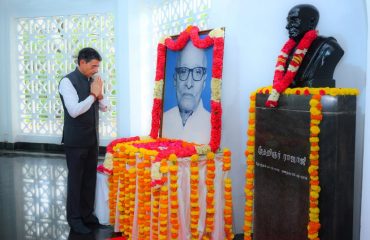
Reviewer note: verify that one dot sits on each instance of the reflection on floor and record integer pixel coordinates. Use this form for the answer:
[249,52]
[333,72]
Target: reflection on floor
[32,199]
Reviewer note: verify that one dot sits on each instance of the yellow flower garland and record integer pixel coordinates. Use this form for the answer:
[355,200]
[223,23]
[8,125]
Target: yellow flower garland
[210,198]
[141,200]
[228,210]
[316,116]
[157,207]
[249,186]
[313,225]
[155,210]
[194,197]
[174,199]
[147,196]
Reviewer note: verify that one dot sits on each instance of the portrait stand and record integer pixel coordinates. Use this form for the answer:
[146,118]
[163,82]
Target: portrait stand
[170,188]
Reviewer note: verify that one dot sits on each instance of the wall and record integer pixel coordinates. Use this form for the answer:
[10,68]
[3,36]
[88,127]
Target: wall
[365,206]
[255,33]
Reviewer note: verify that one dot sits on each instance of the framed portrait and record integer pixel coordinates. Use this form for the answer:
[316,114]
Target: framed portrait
[187,93]
[188,86]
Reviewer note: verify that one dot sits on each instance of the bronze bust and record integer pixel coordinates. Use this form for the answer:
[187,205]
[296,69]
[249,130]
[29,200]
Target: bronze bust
[314,64]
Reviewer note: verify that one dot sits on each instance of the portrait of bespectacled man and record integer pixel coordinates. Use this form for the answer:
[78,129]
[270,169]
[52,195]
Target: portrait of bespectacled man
[187,94]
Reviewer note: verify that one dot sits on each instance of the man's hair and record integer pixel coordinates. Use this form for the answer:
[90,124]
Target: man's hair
[88,54]
[186,48]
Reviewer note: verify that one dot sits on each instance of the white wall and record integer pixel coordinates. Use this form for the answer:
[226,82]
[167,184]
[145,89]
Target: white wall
[255,33]
[4,80]
[365,206]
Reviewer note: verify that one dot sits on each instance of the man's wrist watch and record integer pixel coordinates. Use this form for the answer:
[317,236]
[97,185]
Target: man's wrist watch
[100,97]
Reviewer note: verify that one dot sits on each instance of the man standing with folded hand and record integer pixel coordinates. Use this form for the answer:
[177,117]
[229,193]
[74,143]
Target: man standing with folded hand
[81,95]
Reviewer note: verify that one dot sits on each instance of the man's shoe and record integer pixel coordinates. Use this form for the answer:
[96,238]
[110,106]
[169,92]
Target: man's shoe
[80,228]
[91,220]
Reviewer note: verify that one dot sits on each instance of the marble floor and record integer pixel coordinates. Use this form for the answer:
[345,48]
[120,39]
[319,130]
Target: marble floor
[32,199]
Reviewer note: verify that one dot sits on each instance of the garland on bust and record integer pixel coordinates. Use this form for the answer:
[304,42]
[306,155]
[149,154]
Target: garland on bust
[313,225]
[282,78]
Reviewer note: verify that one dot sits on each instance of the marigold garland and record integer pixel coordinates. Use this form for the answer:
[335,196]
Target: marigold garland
[134,163]
[194,196]
[155,210]
[228,209]
[141,200]
[163,210]
[316,116]
[147,195]
[173,169]
[210,198]
[249,186]
[313,225]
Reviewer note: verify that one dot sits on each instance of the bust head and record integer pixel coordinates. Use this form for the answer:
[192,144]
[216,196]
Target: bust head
[301,18]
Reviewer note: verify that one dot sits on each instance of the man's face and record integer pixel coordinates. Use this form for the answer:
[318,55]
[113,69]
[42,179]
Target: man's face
[299,22]
[190,75]
[294,23]
[89,68]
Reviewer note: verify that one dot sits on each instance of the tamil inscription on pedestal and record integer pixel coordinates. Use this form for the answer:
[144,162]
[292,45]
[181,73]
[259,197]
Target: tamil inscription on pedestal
[282,149]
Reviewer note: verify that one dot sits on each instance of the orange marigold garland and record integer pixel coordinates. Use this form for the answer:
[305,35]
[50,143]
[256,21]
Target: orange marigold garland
[194,196]
[226,166]
[124,228]
[140,171]
[314,211]
[141,200]
[132,191]
[155,210]
[249,186]
[147,196]
[228,209]
[163,203]
[210,198]
[173,169]
[113,191]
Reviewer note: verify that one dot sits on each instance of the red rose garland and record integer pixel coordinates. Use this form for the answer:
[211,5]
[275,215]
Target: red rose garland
[161,61]
[284,76]
[197,41]
[283,79]
[156,117]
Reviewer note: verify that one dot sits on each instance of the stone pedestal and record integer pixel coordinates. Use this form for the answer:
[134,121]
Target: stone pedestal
[281,195]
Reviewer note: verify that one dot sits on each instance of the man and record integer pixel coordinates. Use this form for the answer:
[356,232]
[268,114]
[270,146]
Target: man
[82,97]
[189,120]
[307,60]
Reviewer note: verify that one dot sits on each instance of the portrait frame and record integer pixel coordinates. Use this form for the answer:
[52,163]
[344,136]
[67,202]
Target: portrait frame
[200,39]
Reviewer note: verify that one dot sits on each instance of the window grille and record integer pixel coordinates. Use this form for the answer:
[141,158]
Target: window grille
[46,47]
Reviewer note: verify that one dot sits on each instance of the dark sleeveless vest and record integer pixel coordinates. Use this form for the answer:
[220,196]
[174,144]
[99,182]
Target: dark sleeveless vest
[82,131]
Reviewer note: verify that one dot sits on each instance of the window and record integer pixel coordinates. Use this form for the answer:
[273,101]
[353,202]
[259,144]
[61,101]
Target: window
[46,47]
[172,17]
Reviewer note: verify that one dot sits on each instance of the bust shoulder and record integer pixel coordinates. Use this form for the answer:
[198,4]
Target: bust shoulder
[319,63]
